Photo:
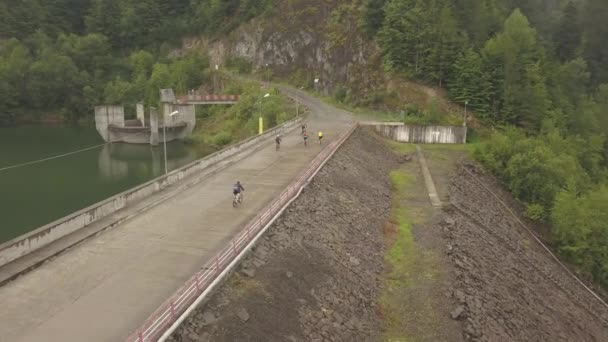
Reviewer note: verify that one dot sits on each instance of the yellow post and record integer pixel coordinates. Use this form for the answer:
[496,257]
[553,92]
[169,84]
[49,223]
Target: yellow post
[261,125]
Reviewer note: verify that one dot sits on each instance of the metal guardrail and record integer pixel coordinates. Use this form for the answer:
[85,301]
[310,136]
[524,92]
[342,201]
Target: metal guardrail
[162,319]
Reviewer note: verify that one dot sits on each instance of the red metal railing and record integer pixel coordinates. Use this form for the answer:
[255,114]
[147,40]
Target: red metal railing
[160,321]
[207,98]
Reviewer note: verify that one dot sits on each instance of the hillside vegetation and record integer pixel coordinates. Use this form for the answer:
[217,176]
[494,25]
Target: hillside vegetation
[62,57]
[534,70]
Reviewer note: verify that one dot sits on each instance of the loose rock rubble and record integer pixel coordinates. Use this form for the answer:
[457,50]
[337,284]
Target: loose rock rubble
[508,287]
[315,275]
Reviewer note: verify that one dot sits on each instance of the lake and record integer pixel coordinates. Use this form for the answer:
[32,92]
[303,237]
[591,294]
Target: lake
[34,195]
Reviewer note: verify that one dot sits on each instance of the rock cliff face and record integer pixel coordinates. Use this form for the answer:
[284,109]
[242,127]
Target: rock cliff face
[317,39]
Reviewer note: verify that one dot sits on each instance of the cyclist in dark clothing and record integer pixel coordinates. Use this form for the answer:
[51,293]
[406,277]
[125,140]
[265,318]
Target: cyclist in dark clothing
[237,188]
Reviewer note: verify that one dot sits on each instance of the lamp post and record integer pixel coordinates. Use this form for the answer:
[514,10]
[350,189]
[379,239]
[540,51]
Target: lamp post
[464,122]
[165,138]
[298,103]
[261,122]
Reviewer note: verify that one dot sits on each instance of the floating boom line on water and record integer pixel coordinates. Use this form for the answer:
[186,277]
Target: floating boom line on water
[61,155]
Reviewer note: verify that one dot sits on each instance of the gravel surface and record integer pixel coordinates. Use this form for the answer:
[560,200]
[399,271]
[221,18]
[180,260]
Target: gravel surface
[508,287]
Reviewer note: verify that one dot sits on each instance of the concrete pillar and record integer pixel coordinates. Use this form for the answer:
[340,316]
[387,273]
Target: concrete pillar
[141,116]
[167,98]
[116,115]
[153,126]
[167,110]
[106,116]
[102,122]
[156,162]
[187,114]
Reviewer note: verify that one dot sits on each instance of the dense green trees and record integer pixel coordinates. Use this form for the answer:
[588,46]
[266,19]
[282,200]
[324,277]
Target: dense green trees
[65,56]
[524,48]
[595,49]
[536,65]
[580,230]
[420,39]
[567,35]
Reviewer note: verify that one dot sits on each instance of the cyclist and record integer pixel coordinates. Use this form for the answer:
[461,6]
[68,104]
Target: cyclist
[278,141]
[237,189]
[305,138]
[320,137]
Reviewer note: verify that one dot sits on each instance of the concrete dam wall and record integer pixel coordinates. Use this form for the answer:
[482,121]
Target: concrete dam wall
[421,134]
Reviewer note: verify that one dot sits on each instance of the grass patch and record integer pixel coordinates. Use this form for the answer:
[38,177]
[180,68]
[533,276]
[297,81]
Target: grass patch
[403,249]
[245,287]
[400,148]
[408,312]
[443,154]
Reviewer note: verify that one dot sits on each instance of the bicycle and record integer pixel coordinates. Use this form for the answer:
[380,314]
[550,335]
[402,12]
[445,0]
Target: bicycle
[238,199]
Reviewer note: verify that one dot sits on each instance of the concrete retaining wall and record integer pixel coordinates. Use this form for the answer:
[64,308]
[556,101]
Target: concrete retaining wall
[49,233]
[421,134]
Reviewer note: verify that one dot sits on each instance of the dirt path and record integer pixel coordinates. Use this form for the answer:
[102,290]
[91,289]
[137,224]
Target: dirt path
[509,288]
[416,301]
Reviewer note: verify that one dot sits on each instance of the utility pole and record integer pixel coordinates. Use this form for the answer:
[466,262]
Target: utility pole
[165,137]
[267,75]
[464,121]
[261,120]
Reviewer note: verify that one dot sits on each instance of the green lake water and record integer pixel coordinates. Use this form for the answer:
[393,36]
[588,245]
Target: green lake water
[34,195]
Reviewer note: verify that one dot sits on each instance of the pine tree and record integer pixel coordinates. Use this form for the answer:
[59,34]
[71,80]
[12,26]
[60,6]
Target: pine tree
[104,18]
[567,36]
[372,16]
[514,57]
[447,45]
[401,35]
[596,36]
[470,83]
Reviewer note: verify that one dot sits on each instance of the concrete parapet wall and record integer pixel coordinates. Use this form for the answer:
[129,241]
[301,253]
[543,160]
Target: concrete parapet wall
[49,233]
[420,134]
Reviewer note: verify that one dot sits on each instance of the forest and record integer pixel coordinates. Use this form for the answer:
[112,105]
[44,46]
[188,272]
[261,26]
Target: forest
[63,57]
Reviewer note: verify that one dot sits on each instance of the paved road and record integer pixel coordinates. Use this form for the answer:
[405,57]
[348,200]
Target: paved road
[103,289]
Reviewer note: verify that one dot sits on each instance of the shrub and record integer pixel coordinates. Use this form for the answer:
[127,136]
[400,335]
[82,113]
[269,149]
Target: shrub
[580,231]
[239,64]
[222,138]
[340,94]
[535,211]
